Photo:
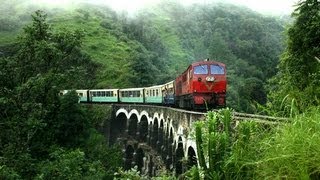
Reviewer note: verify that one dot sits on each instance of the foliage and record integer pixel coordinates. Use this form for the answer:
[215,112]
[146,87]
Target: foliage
[224,153]
[70,164]
[43,135]
[298,77]
[133,174]
[293,150]
[214,143]
[260,151]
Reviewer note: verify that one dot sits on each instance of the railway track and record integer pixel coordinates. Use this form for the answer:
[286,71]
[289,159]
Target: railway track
[259,118]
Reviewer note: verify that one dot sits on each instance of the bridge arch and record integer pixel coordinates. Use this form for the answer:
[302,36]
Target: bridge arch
[119,126]
[192,157]
[179,137]
[144,113]
[179,157]
[134,112]
[133,124]
[143,128]
[155,132]
[122,110]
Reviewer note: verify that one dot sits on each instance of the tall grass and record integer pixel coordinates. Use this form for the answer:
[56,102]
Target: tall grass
[293,152]
[226,151]
[246,149]
[254,150]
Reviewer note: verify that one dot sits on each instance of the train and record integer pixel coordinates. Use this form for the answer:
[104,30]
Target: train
[201,86]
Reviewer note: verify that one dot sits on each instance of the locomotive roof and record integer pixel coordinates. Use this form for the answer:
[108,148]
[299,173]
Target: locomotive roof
[202,62]
[207,61]
[103,89]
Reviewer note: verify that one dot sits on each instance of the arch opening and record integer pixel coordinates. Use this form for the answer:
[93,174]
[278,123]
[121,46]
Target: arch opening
[169,149]
[160,137]
[143,128]
[155,133]
[118,126]
[133,125]
[192,158]
[179,158]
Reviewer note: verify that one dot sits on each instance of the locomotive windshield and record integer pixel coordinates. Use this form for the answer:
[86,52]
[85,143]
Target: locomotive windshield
[201,69]
[216,69]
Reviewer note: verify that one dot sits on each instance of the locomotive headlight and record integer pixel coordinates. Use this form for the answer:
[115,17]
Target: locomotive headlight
[210,78]
[199,79]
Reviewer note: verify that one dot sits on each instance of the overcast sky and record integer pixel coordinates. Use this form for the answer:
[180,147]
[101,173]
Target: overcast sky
[263,6]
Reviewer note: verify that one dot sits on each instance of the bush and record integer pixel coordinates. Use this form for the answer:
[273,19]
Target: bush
[70,164]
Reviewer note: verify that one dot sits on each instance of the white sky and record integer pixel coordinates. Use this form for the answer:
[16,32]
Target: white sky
[262,6]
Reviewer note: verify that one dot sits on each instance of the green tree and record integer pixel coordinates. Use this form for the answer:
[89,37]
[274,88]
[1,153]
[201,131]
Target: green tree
[34,119]
[299,68]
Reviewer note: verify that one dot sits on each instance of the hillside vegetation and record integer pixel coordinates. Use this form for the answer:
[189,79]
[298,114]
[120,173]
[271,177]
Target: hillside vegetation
[157,44]
[44,135]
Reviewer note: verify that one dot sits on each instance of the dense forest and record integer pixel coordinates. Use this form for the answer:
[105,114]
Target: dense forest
[272,66]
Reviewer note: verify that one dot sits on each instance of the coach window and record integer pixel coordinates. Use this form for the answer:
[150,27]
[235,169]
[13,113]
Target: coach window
[103,93]
[111,93]
[94,94]
[138,93]
[216,69]
[81,94]
[201,69]
[157,92]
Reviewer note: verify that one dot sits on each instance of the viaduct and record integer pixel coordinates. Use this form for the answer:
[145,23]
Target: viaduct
[154,138]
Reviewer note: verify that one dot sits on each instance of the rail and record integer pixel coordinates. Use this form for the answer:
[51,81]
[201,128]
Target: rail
[260,118]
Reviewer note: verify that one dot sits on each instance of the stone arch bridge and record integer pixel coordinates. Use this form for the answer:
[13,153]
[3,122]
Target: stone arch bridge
[154,137]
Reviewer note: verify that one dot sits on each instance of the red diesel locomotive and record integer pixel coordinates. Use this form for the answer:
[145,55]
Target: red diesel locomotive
[202,85]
